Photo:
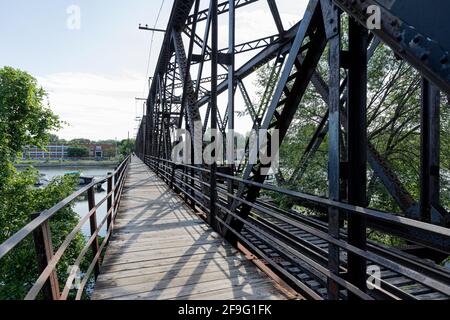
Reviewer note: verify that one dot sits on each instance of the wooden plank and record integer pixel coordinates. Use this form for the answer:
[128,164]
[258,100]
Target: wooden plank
[173,277]
[161,250]
[153,291]
[162,240]
[216,257]
[193,231]
[171,226]
[184,293]
[164,254]
[187,266]
[138,247]
[149,220]
[256,291]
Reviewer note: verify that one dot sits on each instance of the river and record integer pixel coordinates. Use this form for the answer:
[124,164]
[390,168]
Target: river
[81,207]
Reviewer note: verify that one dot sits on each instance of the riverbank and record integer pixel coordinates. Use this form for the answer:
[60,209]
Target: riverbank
[67,164]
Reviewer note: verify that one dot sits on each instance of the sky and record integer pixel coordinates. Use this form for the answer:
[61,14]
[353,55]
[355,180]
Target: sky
[92,59]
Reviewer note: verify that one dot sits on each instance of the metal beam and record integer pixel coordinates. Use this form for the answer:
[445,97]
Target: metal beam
[276,16]
[409,41]
[332,28]
[430,154]
[214,112]
[272,51]
[357,149]
[281,112]
[222,8]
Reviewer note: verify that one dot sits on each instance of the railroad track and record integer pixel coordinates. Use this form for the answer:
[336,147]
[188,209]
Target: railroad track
[393,285]
[278,238]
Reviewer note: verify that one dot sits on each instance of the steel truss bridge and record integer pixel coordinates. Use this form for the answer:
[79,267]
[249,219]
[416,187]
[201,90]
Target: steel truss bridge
[166,220]
[322,259]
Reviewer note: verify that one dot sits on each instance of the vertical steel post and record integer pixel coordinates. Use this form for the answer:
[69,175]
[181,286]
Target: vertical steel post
[429,151]
[189,59]
[276,16]
[44,253]
[214,61]
[116,191]
[109,202]
[334,131]
[357,149]
[231,94]
[93,226]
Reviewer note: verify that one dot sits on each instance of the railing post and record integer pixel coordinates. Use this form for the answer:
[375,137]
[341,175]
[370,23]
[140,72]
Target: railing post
[93,225]
[116,190]
[214,61]
[44,251]
[109,202]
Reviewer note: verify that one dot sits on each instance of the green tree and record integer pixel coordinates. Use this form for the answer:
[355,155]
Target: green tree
[53,138]
[109,141]
[79,141]
[25,117]
[393,129]
[18,270]
[77,152]
[126,147]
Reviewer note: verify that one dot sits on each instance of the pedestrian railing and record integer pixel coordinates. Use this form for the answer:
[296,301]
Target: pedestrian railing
[47,285]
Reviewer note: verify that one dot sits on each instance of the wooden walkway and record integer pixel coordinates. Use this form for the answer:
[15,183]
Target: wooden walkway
[161,250]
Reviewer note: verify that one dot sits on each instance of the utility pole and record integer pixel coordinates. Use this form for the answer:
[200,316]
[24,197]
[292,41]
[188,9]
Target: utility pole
[130,150]
[116,147]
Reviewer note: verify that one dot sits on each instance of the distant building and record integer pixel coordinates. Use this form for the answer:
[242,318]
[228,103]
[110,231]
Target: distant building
[60,152]
[52,152]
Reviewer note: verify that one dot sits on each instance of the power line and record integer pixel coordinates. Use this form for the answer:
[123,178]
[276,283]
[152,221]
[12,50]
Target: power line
[151,46]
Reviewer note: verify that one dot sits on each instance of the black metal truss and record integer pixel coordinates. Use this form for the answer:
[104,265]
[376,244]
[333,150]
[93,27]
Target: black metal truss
[222,8]
[239,48]
[295,54]
[286,100]
[203,80]
[427,55]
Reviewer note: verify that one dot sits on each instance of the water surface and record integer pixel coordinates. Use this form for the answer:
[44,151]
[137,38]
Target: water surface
[81,206]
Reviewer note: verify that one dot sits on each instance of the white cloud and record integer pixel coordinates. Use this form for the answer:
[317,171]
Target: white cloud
[96,106]
[100,106]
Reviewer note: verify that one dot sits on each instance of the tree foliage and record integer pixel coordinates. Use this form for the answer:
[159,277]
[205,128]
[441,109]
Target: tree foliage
[79,141]
[126,147]
[25,119]
[77,152]
[18,270]
[393,129]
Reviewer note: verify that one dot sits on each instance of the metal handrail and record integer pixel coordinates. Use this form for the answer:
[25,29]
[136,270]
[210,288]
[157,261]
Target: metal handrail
[166,167]
[41,221]
[434,230]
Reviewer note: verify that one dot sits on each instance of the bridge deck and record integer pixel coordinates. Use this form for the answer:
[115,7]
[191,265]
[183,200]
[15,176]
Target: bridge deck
[161,250]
